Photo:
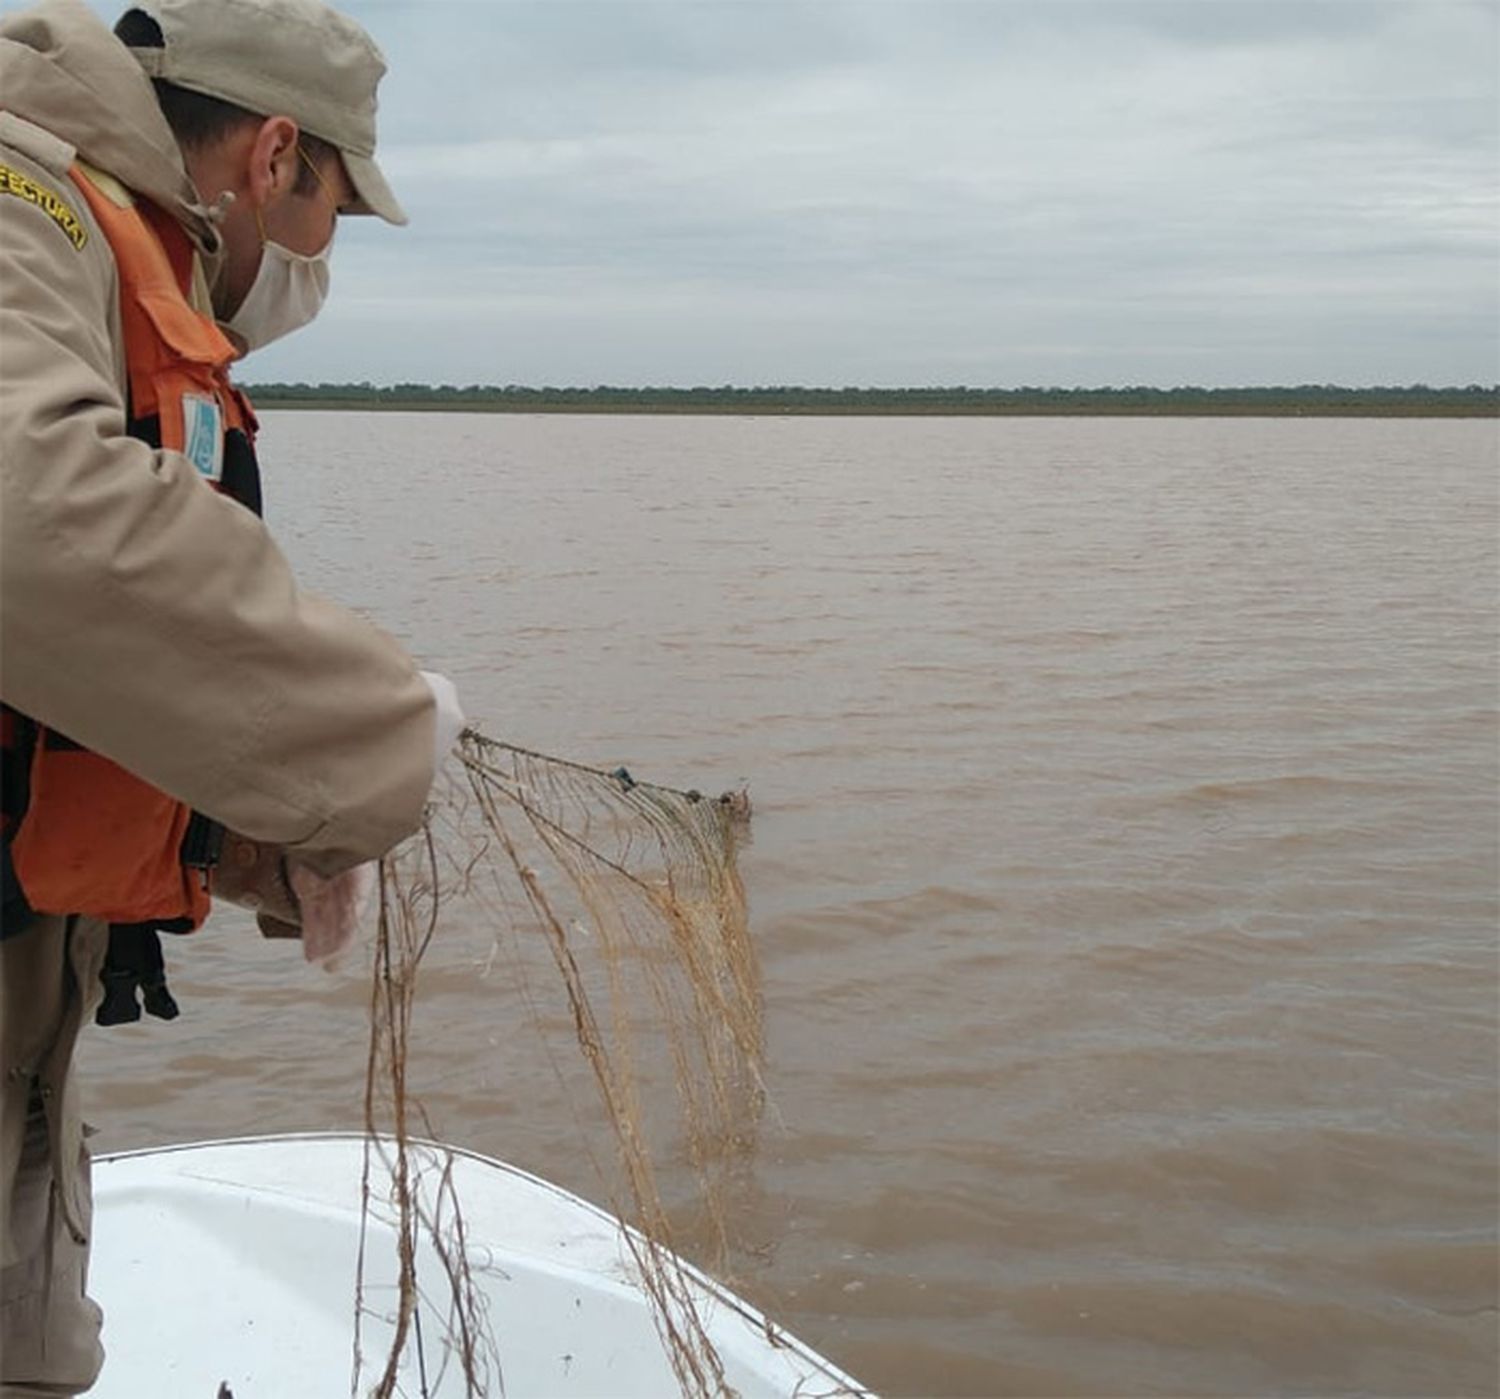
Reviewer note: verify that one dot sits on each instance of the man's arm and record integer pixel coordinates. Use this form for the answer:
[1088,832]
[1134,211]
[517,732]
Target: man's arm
[153,620]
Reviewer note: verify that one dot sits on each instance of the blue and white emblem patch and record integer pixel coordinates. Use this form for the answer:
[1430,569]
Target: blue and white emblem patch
[203,435]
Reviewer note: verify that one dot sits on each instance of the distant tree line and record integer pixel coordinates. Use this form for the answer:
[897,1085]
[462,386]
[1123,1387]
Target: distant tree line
[1415,400]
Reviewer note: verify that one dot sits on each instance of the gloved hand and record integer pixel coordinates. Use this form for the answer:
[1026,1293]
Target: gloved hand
[331,909]
[450,718]
[290,900]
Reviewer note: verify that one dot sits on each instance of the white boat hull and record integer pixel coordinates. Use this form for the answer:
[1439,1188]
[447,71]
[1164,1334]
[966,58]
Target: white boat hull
[234,1263]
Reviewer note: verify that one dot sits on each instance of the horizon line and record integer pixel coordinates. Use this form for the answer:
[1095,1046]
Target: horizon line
[1305,387]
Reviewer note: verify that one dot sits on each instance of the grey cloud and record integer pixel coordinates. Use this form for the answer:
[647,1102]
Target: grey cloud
[986,192]
[1215,24]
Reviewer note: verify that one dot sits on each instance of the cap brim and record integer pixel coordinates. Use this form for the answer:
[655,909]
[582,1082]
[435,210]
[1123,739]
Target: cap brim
[375,195]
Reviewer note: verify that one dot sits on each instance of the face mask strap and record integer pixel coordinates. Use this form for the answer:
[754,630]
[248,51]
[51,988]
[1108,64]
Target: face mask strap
[323,184]
[318,175]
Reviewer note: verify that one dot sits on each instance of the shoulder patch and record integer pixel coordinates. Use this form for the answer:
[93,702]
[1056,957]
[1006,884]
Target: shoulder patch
[49,201]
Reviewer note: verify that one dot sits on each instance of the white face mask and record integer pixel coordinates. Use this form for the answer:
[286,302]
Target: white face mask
[288,291]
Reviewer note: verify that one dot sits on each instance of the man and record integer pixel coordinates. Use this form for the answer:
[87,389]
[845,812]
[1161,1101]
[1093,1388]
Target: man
[168,199]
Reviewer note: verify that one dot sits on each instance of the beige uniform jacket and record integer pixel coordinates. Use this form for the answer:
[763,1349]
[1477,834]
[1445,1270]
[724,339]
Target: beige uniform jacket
[141,613]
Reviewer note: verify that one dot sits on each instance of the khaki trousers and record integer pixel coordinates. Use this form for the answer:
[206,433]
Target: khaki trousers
[49,1330]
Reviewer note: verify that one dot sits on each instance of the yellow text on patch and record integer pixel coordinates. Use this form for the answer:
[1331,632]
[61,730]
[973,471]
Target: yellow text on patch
[50,203]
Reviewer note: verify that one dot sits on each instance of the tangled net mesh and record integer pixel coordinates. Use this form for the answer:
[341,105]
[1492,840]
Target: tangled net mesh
[635,888]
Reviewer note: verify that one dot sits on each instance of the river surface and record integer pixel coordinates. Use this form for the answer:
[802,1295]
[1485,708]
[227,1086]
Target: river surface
[1124,866]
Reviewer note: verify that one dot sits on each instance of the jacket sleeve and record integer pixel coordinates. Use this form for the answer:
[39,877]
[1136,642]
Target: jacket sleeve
[153,620]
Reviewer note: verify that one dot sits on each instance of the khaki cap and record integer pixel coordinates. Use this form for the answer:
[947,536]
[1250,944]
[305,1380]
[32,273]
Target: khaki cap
[294,58]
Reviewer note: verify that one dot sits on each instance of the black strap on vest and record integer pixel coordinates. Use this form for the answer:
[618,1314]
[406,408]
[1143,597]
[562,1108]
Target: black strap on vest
[15,794]
[15,913]
[240,478]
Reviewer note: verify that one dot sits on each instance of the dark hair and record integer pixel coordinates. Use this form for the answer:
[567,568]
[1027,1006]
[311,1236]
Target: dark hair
[198,120]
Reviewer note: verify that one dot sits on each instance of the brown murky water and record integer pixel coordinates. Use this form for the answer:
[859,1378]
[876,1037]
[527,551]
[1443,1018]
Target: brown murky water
[1124,866]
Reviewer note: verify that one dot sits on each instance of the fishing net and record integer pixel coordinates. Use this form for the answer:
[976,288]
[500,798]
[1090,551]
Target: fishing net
[635,889]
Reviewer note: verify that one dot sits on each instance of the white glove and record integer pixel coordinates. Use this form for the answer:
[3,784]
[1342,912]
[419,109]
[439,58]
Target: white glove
[331,908]
[450,718]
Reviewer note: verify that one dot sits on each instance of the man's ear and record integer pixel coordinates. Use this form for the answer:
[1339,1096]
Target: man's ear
[272,160]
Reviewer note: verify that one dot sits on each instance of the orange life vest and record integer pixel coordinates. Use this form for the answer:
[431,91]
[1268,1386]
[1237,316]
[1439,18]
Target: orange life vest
[83,835]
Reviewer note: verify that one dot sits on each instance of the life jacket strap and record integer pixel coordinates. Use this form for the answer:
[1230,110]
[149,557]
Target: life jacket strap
[15,913]
[19,743]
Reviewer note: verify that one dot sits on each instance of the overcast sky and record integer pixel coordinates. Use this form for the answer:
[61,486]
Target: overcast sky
[888,193]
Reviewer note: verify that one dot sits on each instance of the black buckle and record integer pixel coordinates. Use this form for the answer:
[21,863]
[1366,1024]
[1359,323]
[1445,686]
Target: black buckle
[202,843]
